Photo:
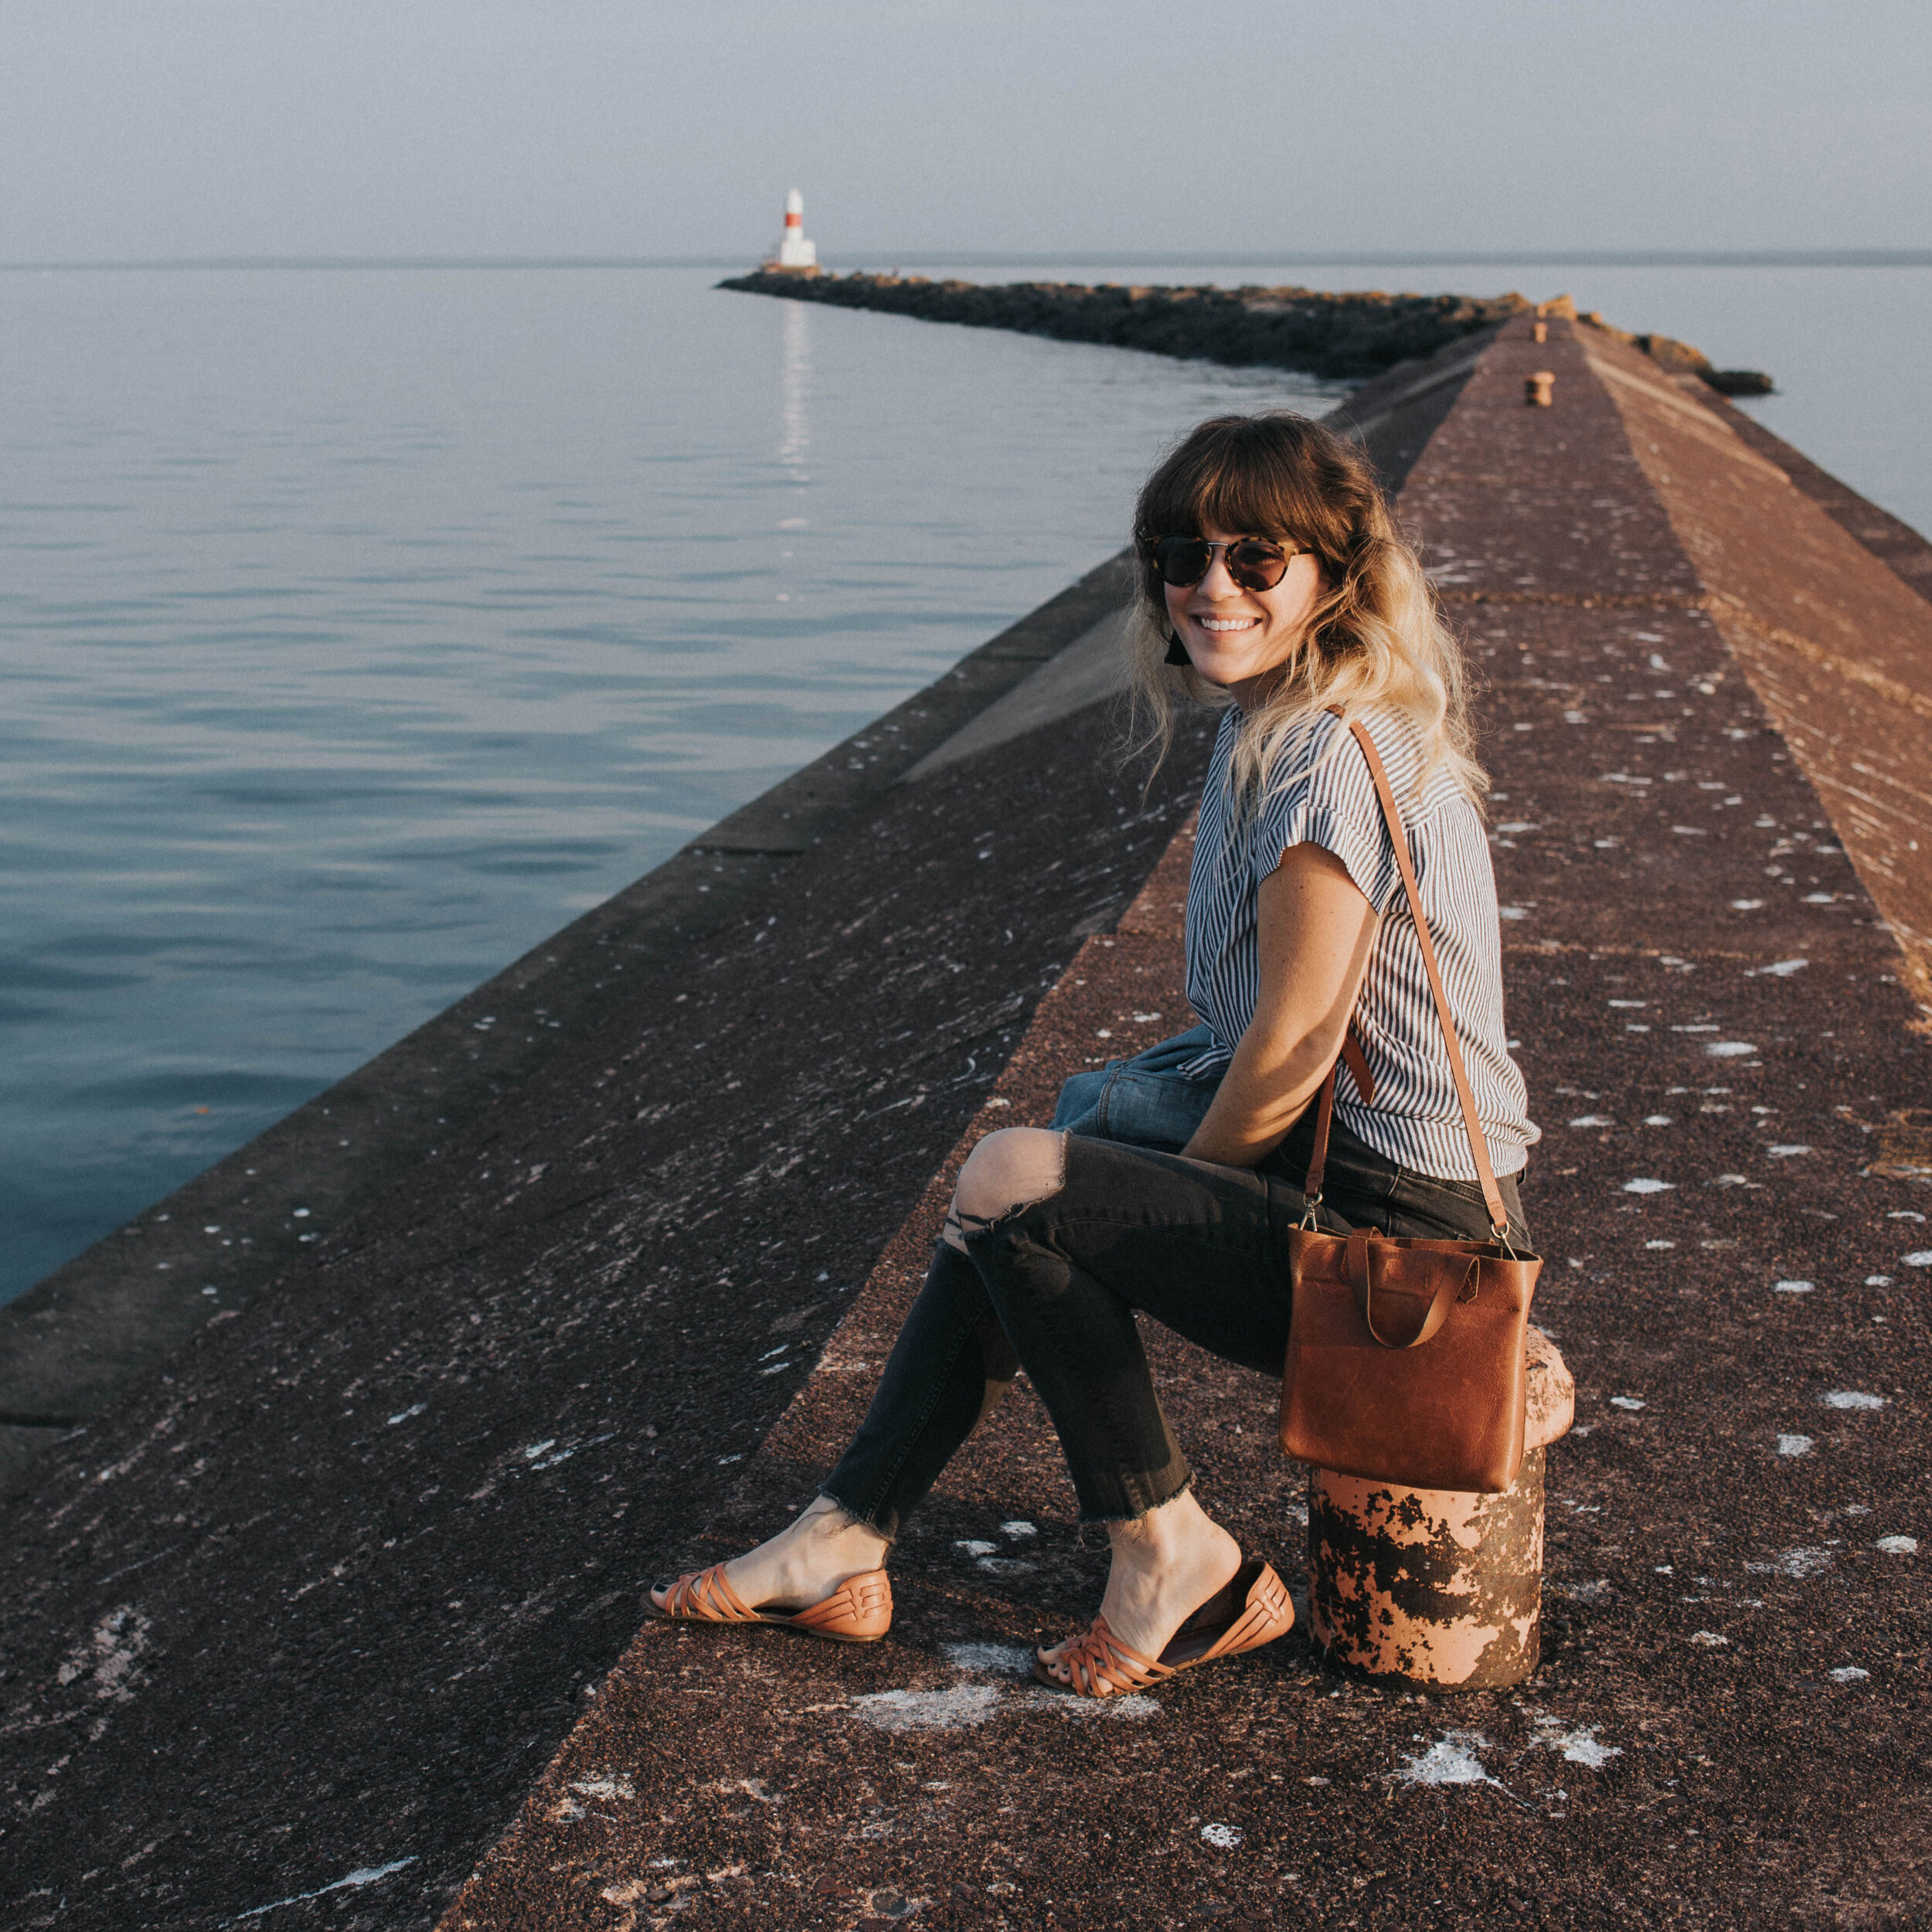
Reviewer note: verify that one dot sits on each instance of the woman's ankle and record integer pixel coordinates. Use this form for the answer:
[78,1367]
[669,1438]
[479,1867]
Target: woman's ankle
[830,1525]
[1170,1530]
[823,1545]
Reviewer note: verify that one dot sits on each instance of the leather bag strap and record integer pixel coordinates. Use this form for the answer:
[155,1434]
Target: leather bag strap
[1478,1147]
[1357,1063]
[1361,1264]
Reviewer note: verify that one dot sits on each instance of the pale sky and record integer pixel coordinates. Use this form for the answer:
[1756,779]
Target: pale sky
[150,129]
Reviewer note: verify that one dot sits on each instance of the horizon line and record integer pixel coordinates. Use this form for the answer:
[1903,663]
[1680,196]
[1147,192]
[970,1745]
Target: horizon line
[926,258]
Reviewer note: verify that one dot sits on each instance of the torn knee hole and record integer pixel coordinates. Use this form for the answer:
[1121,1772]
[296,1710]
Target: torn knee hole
[1007,1173]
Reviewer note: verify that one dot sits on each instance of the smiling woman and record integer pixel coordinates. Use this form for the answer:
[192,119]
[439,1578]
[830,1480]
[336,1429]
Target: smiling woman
[1272,579]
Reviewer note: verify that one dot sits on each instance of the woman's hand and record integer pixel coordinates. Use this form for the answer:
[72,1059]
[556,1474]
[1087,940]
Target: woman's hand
[1316,930]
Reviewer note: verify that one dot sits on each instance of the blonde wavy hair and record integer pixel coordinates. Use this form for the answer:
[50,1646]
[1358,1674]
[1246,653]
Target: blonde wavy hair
[1375,637]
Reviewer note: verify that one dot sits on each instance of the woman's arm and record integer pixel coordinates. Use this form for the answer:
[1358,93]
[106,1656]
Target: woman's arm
[1315,930]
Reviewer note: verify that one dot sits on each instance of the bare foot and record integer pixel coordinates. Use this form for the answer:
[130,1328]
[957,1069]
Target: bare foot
[805,1562]
[1166,1565]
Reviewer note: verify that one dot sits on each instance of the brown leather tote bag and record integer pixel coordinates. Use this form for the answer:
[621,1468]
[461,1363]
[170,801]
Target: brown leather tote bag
[1407,1358]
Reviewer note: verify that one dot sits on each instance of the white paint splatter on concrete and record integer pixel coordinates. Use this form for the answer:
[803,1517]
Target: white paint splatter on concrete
[1795,1562]
[1643,1185]
[362,1875]
[1007,1565]
[1592,1591]
[111,1656]
[1898,1546]
[1847,1674]
[969,1704]
[1133,1707]
[1922,1259]
[1793,1288]
[606,1787]
[1729,1049]
[941,1710]
[973,1547]
[1019,1527]
[1222,1837]
[1794,1445]
[1453,1758]
[1631,1403]
[1851,1399]
[993,1660]
[1579,1744]
[1709,1639]
[403,1415]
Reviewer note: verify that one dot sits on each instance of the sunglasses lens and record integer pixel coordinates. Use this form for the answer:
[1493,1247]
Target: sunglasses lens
[1182,560]
[1253,563]
[1255,566]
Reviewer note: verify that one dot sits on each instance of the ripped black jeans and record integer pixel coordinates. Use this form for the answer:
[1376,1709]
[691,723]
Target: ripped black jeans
[1055,1286]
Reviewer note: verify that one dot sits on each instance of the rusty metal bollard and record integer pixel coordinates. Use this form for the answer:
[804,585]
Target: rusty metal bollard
[1539,390]
[1435,1588]
[1540,331]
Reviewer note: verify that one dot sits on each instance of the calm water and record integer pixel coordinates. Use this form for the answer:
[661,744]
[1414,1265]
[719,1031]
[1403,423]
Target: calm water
[363,627]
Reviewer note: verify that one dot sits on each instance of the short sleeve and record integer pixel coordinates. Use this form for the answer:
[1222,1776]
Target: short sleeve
[1331,802]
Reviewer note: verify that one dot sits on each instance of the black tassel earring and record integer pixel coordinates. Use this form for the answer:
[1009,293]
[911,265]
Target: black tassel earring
[1175,654]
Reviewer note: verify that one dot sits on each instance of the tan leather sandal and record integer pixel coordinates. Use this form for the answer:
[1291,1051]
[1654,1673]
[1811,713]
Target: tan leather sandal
[859,1612]
[1253,1610]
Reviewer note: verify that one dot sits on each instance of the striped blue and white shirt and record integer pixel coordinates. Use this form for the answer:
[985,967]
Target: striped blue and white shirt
[1330,801]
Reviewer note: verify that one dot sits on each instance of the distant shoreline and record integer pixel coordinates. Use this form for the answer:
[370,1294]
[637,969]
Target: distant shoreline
[1084,258]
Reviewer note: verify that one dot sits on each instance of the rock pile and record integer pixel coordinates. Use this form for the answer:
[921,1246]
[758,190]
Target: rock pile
[1356,334]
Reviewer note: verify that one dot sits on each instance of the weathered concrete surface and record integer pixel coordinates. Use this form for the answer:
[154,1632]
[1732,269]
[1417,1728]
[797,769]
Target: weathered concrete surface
[1878,530]
[320,1598]
[1089,670]
[113,1314]
[261,1641]
[1734,1641]
[1840,653]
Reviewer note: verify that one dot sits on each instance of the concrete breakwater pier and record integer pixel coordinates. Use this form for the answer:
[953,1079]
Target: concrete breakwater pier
[330,1617]
[1356,334]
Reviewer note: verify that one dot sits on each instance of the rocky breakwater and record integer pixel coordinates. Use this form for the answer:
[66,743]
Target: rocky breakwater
[1357,333]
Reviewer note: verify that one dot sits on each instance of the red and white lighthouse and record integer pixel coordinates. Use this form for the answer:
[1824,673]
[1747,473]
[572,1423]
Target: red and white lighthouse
[795,251]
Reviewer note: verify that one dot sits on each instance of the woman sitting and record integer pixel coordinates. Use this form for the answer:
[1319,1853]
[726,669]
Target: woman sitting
[1270,571]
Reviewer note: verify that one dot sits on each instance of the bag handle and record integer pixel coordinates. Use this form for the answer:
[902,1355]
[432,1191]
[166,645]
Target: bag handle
[1479,1148]
[1361,1263]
